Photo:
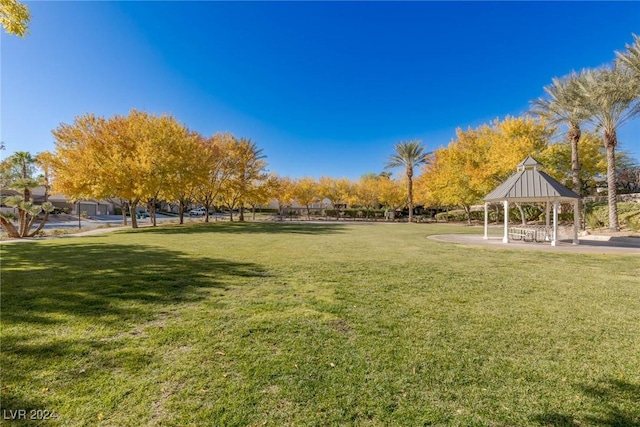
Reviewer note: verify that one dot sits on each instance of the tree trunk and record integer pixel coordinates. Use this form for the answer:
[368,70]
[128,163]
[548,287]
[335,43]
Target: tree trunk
[123,209]
[610,140]
[41,226]
[153,212]
[523,217]
[181,210]
[410,193]
[207,206]
[23,222]
[241,217]
[9,227]
[467,210]
[132,213]
[574,138]
[29,225]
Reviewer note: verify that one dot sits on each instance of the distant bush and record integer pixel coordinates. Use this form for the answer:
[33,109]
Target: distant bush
[268,210]
[460,215]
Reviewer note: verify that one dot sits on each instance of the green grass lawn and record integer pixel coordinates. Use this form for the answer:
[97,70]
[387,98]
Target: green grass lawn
[286,324]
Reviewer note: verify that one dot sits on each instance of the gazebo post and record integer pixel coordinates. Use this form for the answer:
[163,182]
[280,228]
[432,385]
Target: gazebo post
[486,220]
[505,237]
[547,220]
[576,221]
[554,239]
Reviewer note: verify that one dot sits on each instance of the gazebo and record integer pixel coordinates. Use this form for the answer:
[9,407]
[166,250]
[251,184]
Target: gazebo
[530,185]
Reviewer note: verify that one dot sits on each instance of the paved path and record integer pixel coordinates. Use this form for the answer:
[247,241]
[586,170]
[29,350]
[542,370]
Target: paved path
[590,244]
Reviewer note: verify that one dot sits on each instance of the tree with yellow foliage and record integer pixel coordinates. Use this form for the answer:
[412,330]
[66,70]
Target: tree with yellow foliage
[479,160]
[393,194]
[14,17]
[135,158]
[557,161]
[453,176]
[511,140]
[282,189]
[248,166]
[367,192]
[183,165]
[216,168]
[93,159]
[161,142]
[305,192]
[260,193]
[337,190]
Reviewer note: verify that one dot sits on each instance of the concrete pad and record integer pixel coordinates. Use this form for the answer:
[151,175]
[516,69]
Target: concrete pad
[613,245]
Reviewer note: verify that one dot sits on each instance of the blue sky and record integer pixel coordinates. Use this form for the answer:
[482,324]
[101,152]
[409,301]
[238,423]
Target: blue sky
[324,88]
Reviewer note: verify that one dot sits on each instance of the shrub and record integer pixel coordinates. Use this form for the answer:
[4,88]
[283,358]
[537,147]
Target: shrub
[460,215]
[633,223]
[598,215]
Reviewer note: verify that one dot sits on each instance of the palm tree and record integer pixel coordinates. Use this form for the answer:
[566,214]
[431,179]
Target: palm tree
[564,106]
[610,95]
[18,172]
[408,154]
[631,58]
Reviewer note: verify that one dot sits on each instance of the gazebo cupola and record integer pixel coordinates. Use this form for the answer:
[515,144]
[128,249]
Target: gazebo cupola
[528,164]
[530,185]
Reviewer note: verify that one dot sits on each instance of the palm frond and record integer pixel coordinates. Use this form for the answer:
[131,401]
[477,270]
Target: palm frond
[631,58]
[407,154]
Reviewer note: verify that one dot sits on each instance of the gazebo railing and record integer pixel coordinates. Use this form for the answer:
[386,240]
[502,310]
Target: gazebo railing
[530,233]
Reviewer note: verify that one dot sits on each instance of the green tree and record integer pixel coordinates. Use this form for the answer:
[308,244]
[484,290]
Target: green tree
[564,106]
[557,159]
[610,95]
[14,17]
[19,172]
[409,154]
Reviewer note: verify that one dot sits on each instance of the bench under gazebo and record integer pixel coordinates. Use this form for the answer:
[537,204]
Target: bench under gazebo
[530,185]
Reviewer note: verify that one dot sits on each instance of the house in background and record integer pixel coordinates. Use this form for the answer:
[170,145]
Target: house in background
[64,203]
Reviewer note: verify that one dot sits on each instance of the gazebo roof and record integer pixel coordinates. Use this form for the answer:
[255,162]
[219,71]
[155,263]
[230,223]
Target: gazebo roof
[530,184]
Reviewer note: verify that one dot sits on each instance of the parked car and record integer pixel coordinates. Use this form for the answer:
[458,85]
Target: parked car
[142,215]
[197,212]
